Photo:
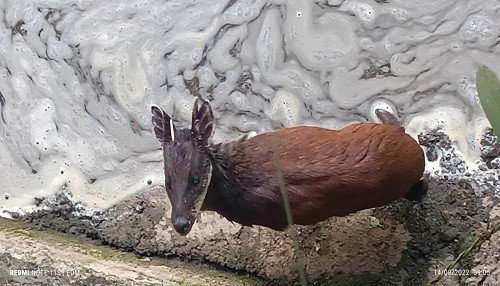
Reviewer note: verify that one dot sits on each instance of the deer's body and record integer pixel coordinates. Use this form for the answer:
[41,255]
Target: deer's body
[327,172]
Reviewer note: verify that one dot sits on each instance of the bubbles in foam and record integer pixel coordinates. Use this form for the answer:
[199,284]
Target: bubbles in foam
[480,31]
[57,49]
[401,15]
[319,47]
[105,63]
[285,108]
[364,11]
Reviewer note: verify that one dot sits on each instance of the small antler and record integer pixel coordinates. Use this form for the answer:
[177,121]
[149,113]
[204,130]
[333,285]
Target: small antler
[163,125]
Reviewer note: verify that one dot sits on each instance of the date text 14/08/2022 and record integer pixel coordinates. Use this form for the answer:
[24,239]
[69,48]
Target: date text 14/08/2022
[462,272]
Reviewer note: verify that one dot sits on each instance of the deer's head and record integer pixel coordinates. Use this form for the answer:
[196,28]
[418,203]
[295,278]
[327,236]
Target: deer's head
[188,168]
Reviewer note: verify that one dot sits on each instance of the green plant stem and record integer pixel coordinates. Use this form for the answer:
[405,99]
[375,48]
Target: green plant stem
[477,243]
[289,217]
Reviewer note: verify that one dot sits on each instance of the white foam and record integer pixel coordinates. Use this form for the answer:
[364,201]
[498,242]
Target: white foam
[79,77]
[285,108]
[464,133]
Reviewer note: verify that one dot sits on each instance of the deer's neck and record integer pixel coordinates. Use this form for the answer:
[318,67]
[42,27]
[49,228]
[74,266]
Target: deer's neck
[223,192]
[240,191]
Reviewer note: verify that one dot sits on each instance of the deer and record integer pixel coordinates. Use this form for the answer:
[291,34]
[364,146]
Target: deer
[327,173]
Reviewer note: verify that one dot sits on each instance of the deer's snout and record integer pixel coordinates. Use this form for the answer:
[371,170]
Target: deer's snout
[182,225]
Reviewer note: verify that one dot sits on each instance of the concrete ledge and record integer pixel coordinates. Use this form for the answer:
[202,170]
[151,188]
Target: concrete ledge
[33,257]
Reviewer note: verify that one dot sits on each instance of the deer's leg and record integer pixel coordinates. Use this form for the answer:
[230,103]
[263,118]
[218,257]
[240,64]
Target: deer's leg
[418,191]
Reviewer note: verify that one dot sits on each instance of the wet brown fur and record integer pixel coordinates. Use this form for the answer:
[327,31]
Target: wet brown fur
[327,173]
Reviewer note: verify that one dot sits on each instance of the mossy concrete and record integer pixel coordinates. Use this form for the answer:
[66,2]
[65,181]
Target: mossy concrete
[52,258]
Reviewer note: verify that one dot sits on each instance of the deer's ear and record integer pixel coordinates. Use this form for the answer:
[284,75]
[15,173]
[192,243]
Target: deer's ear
[163,126]
[203,118]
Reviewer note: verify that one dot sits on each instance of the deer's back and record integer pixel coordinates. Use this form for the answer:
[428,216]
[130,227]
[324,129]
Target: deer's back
[327,172]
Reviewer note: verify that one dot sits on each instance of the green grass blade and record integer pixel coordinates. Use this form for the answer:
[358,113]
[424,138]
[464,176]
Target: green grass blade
[288,213]
[488,89]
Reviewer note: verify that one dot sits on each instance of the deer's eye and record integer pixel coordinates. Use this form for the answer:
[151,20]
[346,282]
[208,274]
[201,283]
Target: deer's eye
[195,180]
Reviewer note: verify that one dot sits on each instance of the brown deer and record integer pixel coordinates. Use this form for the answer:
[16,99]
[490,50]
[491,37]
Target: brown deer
[327,172]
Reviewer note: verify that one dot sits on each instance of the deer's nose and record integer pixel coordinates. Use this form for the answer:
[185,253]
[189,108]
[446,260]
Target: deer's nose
[181,225]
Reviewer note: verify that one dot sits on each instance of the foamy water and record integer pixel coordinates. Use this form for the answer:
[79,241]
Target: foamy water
[77,79]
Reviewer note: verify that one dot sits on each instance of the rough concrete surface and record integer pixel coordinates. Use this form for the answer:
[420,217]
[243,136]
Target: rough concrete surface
[33,257]
[487,259]
[412,241]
